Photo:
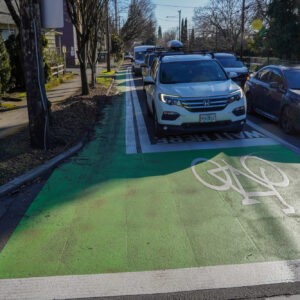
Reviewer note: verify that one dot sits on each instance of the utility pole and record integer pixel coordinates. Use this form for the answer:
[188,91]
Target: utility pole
[107,36]
[116,16]
[179,35]
[31,42]
[242,29]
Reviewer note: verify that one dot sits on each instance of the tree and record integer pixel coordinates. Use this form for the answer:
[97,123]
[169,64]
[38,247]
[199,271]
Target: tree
[4,67]
[117,45]
[31,44]
[140,18]
[283,34]
[159,34]
[149,36]
[84,15]
[96,35]
[184,34]
[192,40]
[219,23]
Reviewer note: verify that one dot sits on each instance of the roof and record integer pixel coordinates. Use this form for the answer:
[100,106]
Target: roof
[224,55]
[285,67]
[190,57]
[5,17]
[143,48]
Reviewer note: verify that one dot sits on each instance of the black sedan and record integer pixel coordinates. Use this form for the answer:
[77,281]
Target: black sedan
[274,92]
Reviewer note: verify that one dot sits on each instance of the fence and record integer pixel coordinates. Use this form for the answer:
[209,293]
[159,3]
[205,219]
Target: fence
[255,63]
[56,70]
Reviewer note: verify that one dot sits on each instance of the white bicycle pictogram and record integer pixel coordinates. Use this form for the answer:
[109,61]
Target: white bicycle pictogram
[261,179]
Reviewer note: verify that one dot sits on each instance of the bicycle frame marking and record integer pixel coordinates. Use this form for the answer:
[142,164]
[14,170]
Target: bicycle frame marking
[259,179]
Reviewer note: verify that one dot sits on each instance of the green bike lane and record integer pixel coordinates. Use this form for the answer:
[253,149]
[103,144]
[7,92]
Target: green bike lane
[105,211]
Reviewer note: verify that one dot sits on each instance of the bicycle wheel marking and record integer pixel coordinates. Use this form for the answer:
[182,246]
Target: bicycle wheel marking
[232,173]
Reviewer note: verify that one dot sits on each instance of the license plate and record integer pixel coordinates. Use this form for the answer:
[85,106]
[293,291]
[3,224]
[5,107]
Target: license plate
[208,118]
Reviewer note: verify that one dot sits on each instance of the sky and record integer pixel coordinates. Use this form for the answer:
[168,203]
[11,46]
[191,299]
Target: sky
[166,8]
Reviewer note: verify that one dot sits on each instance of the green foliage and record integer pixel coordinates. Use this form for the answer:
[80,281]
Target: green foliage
[4,67]
[13,47]
[283,34]
[47,68]
[184,33]
[159,35]
[117,45]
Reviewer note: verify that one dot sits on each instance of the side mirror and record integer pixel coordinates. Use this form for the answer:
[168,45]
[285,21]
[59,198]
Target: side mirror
[149,81]
[274,85]
[232,74]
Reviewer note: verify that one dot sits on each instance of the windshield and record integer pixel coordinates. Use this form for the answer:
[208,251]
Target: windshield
[230,62]
[191,71]
[140,55]
[293,78]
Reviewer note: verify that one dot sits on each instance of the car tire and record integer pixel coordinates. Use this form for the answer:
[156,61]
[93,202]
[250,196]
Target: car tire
[157,130]
[149,113]
[286,121]
[250,108]
[239,129]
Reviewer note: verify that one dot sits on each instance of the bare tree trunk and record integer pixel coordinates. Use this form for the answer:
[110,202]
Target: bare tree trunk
[107,37]
[82,61]
[30,34]
[93,74]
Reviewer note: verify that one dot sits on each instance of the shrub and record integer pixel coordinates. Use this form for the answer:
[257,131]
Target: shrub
[5,69]
[13,47]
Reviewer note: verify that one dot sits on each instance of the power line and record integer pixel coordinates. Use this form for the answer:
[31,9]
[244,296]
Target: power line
[175,6]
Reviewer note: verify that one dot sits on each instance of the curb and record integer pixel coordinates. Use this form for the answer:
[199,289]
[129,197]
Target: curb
[31,175]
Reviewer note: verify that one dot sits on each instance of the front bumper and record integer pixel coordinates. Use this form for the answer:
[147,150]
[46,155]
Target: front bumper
[189,128]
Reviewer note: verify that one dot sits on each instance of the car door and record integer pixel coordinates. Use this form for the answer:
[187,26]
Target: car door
[260,88]
[275,94]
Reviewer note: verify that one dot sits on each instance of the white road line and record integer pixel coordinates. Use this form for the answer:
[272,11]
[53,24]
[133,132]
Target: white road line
[274,137]
[129,131]
[142,129]
[243,143]
[151,282]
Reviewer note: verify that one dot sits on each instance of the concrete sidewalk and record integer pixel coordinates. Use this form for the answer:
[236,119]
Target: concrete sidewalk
[12,121]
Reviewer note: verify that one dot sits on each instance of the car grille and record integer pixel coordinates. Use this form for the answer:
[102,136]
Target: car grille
[205,104]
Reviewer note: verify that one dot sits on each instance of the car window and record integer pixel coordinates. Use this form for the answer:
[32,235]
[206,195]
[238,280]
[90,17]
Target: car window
[230,62]
[140,55]
[293,78]
[154,69]
[263,75]
[191,71]
[276,77]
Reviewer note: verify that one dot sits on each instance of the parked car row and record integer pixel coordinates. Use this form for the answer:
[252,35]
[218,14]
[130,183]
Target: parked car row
[205,92]
[274,92]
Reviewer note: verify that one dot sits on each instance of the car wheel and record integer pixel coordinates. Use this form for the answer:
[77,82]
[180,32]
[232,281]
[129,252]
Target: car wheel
[157,130]
[250,108]
[239,129]
[286,121]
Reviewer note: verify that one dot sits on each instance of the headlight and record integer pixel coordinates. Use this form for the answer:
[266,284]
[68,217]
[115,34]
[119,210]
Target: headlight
[168,99]
[236,96]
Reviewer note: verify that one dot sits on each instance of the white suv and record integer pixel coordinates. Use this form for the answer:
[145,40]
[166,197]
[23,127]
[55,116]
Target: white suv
[193,93]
